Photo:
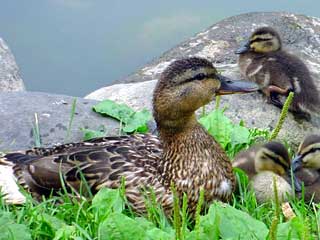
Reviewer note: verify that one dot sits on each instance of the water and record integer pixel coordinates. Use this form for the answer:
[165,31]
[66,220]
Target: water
[76,46]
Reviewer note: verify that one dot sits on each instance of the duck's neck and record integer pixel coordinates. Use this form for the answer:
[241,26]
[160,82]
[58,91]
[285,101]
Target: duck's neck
[190,154]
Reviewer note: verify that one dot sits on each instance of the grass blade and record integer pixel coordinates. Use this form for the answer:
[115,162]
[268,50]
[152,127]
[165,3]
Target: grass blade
[36,131]
[73,110]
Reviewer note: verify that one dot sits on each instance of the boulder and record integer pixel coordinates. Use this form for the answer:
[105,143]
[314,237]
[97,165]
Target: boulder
[17,118]
[10,79]
[300,35]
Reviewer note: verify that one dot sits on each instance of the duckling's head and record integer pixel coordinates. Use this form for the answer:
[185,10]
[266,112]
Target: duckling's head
[274,157]
[308,155]
[186,85]
[263,40]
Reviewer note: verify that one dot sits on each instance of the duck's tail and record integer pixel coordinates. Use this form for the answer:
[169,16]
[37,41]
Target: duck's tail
[15,158]
[9,189]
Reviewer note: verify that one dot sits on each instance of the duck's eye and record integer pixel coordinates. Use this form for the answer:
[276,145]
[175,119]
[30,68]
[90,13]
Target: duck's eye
[199,76]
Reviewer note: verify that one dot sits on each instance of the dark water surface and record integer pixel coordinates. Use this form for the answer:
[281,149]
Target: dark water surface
[76,46]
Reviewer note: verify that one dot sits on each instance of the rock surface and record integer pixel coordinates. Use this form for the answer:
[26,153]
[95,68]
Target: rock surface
[17,117]
[300,35]
[10,79]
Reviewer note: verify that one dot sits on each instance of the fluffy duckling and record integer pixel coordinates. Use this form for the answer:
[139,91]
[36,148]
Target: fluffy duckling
[263,164]
[277,72]
[308,157]
[146,162]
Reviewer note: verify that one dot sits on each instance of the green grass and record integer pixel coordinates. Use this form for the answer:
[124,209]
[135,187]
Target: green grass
[108,216]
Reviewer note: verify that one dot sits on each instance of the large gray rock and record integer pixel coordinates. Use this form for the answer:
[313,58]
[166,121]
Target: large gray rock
[10,79]
[17,116]
[300,34]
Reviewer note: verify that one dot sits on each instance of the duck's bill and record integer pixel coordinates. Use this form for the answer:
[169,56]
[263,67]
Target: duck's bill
[229,86]
[296,163]
[245,48]
[294,181]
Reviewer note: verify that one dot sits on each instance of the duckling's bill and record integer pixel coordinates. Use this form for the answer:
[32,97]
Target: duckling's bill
[229,86]
[296,163]
[243,49]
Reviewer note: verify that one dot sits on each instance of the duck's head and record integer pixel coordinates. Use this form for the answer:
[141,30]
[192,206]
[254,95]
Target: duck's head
[308,154]
[274,157]
[186,85]
[262,40]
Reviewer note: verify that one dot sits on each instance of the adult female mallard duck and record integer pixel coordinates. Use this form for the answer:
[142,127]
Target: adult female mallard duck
[277,72]
[184,155]
[263,164]
[308,157]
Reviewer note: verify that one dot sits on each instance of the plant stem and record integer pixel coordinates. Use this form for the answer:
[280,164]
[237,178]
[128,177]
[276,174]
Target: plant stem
[184,215]
[217,102]
[283,115]
[36,131]
[176,212]
[275,220]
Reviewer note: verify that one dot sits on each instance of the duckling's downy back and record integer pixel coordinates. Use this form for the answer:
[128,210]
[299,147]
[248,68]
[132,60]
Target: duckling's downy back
[277,72]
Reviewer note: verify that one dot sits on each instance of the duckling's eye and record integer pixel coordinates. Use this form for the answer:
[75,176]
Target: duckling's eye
[260,40]
[200,76]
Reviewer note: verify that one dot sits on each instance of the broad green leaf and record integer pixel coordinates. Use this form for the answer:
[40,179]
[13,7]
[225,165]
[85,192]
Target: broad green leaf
[138,122]
[119,226]
[239,135]
[11,230]
[120,112]
[60,229]
[209,228]
[107,201]
[154,233]
[232,137]
[219,126]
[90,134]
[158,234]
[292,230]
[53,222]
[66,232]
[233,223]
[132,121]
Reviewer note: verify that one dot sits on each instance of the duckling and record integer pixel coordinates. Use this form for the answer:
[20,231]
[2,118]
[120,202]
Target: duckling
[184,154]
[263,164]
[277,72]
[308,157]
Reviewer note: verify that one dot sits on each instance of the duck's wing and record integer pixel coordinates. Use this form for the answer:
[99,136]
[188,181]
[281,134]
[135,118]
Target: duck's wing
[145,142]
[96,161]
